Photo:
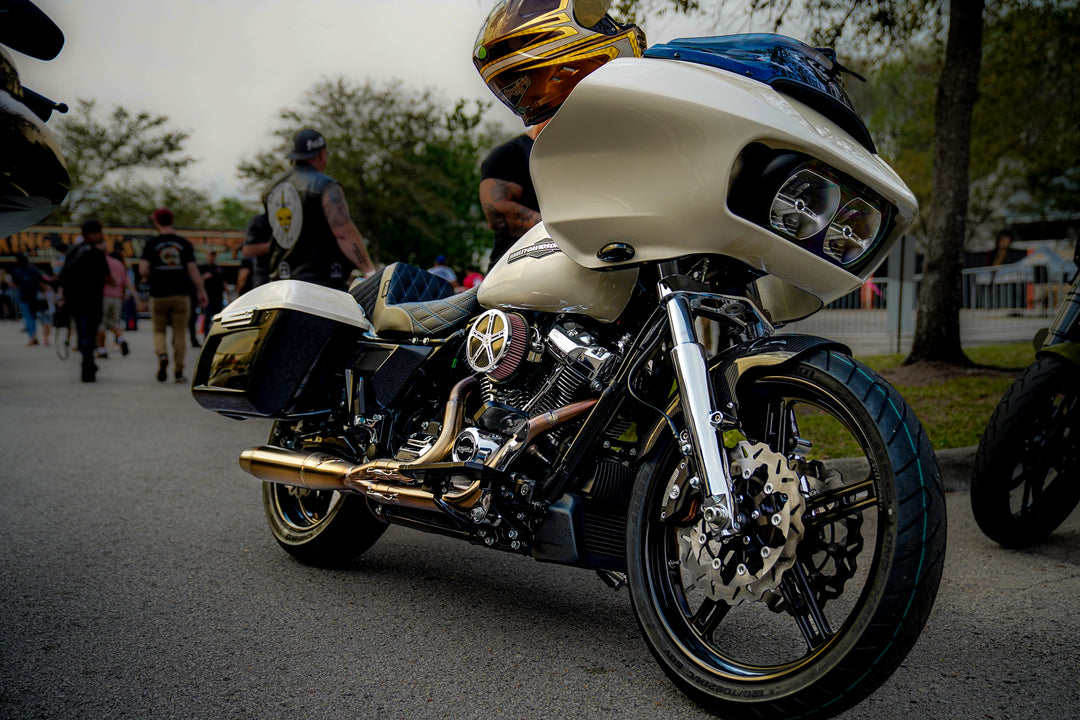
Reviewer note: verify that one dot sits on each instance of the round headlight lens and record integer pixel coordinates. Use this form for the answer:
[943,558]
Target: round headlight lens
[852,231]
[804,205]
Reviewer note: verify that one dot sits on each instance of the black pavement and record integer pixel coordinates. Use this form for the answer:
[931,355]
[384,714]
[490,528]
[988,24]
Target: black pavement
[138,580]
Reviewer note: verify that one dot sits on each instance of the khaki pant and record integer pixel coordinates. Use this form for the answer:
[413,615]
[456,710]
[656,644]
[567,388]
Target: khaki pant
[171,311]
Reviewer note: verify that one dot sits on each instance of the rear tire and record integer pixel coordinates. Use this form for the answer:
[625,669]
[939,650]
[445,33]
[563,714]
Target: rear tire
[1024,481]
[321,528]
[819,637]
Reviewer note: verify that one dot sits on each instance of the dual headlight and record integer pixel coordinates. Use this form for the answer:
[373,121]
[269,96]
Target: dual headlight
[815,207]
[818,211]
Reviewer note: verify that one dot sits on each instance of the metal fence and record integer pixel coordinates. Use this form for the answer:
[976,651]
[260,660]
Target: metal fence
[1002,304]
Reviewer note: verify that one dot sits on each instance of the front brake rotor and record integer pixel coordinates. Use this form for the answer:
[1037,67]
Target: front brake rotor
[744,566]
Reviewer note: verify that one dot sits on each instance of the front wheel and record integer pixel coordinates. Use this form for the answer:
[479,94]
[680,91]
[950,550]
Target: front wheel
[826,586]
[1024,481]
[322,528]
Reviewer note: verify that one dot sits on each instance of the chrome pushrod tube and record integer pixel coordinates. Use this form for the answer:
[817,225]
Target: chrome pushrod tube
[695,391]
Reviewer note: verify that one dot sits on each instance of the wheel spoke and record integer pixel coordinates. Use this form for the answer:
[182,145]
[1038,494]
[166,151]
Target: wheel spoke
[1033,490]
[708,617]
[804,608]
[777,417]
[834,505]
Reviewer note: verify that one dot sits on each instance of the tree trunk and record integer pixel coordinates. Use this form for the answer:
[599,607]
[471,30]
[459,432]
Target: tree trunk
[937,328]
[937,325]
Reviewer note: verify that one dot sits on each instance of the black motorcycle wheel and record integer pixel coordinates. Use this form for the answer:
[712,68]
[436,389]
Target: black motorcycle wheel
[1024,481]
[321,528]
[862,578]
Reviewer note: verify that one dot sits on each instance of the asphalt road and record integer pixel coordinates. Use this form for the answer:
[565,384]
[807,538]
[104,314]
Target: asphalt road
[138,580]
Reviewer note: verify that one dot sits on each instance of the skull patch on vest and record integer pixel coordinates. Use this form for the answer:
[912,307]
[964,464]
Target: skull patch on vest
[285,213]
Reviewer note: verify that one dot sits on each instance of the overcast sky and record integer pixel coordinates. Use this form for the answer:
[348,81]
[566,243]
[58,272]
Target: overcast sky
[223,69]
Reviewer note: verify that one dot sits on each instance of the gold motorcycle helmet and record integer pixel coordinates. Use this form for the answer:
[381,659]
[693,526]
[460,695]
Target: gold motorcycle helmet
[532,53]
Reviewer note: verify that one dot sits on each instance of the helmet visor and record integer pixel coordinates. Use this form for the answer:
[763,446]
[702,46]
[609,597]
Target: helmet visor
[507,16]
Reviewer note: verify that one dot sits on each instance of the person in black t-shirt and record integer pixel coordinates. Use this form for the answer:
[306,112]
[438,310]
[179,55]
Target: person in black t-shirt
[168,265]
[506,191]
[82,286]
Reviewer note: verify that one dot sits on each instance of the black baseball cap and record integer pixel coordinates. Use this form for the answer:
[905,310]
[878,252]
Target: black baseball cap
[307,144]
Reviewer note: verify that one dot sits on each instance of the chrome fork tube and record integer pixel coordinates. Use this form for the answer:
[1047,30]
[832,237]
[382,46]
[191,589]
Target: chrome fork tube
[695,391]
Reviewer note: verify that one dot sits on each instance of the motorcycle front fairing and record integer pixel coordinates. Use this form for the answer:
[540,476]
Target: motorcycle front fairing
[691,126]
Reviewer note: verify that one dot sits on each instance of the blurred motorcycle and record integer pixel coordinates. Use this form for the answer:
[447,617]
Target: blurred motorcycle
[33,177]
[1025,482]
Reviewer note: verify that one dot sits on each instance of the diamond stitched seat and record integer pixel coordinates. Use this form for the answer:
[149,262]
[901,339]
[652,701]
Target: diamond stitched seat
[412,301]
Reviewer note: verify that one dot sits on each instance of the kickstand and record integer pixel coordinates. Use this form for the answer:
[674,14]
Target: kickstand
[614,580]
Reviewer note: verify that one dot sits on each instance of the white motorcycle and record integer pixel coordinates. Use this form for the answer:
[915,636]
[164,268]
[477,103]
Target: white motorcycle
[567,410]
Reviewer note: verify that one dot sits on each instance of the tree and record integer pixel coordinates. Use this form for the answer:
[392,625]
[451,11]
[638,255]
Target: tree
[409,166]
[1028,162]
[937,326]
[107,159]
[1022,163]
[231,213]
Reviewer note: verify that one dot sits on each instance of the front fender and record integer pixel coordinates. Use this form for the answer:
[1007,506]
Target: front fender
[1070,351]
[730,366]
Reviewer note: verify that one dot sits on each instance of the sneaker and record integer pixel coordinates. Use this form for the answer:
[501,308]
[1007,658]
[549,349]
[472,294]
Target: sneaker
[101,353]
[178,377]
[162,371]
[32,342]
[89,376]
[124,350]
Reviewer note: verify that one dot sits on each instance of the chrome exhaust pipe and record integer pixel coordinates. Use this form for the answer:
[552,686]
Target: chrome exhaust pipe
[315,471]
[319,471]
[385,480]
[381,480]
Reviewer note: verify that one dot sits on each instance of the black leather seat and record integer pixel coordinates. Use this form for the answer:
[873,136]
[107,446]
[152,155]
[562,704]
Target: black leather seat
[404,300]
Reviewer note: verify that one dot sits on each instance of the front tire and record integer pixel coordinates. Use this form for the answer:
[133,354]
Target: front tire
[1024,481]
[831,621]
[321,528]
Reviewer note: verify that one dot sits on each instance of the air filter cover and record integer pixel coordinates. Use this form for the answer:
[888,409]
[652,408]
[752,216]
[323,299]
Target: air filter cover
[497,343]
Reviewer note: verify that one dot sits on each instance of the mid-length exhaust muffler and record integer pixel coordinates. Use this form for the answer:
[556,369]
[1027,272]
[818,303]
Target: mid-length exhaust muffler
[315,471]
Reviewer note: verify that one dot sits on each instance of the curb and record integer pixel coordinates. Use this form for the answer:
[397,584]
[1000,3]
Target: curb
[954,463]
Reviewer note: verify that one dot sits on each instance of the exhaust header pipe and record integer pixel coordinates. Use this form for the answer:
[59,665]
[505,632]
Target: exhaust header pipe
[319,471]
[384,480]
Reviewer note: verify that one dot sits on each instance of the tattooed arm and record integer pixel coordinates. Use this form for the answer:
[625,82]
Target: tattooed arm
[349,239]
[503,209]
